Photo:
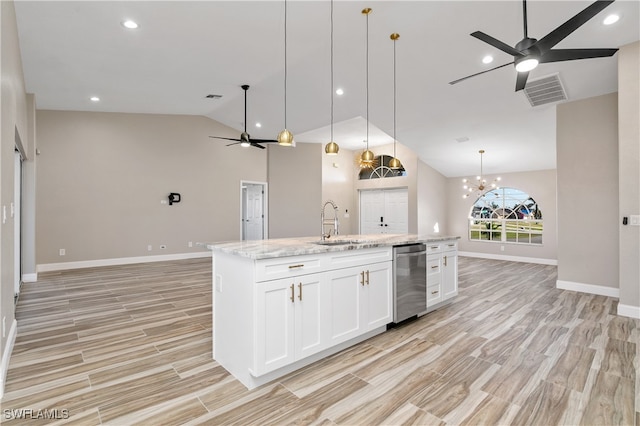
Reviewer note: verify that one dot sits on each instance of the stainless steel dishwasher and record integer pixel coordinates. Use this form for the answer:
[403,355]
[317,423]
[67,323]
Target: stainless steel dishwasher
[409,281]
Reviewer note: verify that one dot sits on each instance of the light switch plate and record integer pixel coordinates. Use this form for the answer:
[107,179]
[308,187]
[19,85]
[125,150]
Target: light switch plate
[635,220]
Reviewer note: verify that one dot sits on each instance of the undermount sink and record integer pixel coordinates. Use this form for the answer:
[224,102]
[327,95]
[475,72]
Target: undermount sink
[336,242]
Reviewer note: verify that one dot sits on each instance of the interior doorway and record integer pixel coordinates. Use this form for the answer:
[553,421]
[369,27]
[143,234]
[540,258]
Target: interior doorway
[253,211]
[16,213]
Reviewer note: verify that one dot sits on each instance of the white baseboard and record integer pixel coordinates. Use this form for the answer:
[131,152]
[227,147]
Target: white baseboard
[49,267]
[6,355]
[30,278]
[588,288]
[537,260]
[629,311]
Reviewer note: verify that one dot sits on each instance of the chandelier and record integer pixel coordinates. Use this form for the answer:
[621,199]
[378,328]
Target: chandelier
[480,184]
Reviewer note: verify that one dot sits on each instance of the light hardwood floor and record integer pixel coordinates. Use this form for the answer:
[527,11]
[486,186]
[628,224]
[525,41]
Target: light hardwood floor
[132,345]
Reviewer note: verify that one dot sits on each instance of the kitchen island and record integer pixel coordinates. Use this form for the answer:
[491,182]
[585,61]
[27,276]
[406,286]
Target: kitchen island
[281,304]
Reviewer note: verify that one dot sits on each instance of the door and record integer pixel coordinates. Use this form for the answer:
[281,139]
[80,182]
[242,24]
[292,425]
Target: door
[384,211]
[345,316]
[378,294]
[309,311]
[253,211]
[16,214]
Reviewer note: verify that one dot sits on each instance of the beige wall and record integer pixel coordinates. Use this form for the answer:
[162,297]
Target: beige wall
[541,185]
[432,201]
[338,175]
[587,164]
[13,118]
[295,190]
[629,173]
[102,177]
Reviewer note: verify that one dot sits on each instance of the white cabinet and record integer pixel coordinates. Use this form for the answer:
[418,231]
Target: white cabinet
[360,300]
[442,272]
[288,321]
[304,313]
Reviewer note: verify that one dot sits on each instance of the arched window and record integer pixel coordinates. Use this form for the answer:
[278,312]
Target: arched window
[506,215]
[381,169]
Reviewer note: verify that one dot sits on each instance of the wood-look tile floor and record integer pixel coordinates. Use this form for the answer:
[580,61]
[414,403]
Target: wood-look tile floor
[132,345]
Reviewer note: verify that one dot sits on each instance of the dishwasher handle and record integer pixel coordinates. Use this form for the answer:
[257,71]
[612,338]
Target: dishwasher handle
[412,254]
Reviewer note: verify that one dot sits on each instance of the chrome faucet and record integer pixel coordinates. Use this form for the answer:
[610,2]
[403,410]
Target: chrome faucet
[333,222]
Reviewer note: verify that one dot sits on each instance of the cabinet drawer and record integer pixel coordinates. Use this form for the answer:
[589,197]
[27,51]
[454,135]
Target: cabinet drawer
[449,245]
[284,267]
[434,294]
[434,248]
[433,265]
[347,259]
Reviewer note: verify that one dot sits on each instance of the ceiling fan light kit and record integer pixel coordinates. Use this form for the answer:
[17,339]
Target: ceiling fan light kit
[529,52]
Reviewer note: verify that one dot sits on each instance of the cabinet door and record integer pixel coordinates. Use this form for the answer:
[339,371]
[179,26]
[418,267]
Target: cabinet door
[274,325]
[345,317]
[308,315]
[378,294]
[449,274]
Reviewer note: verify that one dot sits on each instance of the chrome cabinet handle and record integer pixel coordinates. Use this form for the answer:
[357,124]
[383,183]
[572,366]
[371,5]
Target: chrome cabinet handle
[300,291]
[293,296]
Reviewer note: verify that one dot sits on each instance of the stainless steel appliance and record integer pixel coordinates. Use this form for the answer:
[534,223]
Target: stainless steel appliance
[409,281]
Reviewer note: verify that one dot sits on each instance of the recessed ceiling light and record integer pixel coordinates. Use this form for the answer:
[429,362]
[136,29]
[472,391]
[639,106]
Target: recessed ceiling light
[339,92]
[94,99]
[487,59]
[258,124]
[611,19]
[132,25]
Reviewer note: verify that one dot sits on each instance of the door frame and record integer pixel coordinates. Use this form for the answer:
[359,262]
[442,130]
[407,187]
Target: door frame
[265,204]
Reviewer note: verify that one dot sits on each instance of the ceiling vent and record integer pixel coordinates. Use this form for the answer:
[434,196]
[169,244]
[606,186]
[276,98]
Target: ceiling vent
[545,90]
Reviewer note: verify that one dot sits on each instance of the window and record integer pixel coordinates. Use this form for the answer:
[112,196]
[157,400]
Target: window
[381,170]
[506,215]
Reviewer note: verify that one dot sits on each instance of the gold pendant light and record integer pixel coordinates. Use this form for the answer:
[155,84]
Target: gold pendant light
[285,137]
[394,163]
[331,148]
[367,158]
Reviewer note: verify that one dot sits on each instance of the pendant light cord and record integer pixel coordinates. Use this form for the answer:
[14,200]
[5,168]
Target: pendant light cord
[394,98]
[331,140]
[285,64]
[367,80]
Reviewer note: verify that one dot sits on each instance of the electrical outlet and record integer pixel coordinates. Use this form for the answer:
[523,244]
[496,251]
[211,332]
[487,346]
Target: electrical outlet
[635,220]
[62,252]
[149,247]
[163,246]
[501,248]
[190,244]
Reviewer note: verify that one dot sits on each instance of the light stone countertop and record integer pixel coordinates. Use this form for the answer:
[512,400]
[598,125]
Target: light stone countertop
[283,247]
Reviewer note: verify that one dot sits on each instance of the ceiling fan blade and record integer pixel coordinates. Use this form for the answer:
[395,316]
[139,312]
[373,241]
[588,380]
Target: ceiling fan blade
[263,140]
[478,73]
[496,43]
[257,145]
[558,55]
[235,143]
[559,34]
[227,139]
[521,80]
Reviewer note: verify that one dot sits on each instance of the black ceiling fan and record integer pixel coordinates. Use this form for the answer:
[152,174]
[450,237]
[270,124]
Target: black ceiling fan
[529,51]
[245,140]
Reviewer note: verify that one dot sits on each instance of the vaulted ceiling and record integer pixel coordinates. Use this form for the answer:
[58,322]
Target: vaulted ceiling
[183,51]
